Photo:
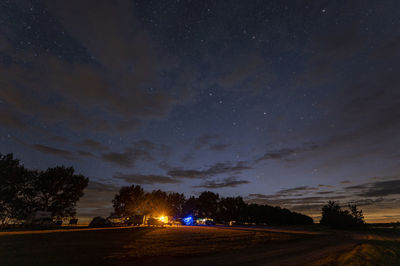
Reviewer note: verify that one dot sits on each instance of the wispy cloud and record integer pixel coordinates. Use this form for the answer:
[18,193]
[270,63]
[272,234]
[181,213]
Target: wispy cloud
[227,182]
[216,169]
[146,179]
[53,151]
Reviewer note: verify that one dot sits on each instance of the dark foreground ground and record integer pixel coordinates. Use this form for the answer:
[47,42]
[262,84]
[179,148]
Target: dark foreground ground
[198,246]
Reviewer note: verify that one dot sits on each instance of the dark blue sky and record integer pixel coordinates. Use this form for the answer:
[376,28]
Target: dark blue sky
[289,103]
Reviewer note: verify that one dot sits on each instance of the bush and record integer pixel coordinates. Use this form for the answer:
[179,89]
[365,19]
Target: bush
[335,217]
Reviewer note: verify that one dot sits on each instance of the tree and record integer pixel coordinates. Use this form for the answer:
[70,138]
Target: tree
[133,200]
[129,201]
[176,202]
[334,216]
[358,215]
[157,203]
[15,186]
[208,204]
[58,190]
[23,191]
[191,207]
[232,209]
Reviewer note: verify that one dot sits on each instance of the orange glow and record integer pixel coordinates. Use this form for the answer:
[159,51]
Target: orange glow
[163,219]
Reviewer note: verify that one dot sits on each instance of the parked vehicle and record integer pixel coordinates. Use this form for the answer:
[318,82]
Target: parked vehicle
[100,222]
[40,218]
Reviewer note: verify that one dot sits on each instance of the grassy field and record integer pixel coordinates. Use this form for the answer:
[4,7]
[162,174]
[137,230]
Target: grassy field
[196,246]
[113,245]
[372,249]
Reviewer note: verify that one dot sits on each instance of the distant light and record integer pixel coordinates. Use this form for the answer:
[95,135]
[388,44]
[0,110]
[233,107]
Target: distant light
[163,219]
[188,220]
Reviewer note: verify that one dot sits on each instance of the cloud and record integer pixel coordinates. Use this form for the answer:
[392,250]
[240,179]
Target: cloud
[11,119]
[362,108]
[127,158]
[211,142]
[146,179]
[92,144]
[53,151]
[227,182]
[144,144]
[207,139]
[377,189]
[216,169]
[297,191]
[373,196]
[85,153]
[287,154]
[324,186]
[61,139]
[93,76]
[140,150]
[219,147]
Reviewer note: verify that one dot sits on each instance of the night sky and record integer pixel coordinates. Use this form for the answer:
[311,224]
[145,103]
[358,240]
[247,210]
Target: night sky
[288,103]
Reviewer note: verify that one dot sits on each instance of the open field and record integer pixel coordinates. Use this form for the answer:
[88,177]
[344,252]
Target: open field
[197,246]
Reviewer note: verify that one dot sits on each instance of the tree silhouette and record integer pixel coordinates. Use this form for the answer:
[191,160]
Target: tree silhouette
[334,216]
[176,203]
[208,204]
[13,182]
[24,191]
[132,200]
[58,189]
[129,201]
[232,209]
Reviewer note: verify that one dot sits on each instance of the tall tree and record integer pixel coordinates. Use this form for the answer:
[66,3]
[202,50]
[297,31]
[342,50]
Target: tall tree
[176,202]
[232,209]
[130,201]
[191,207]
[58,190]
[208,204]
[23,191]
[13,181]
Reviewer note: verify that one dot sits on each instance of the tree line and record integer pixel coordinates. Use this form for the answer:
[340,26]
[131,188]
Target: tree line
[133,201]
[58,189]
[23,191]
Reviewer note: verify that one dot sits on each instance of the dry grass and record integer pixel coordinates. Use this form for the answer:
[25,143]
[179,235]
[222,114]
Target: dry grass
[181,241]
[374,249]
[110,246]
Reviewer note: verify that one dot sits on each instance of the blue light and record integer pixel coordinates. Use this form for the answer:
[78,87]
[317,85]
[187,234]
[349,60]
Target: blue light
[188,220]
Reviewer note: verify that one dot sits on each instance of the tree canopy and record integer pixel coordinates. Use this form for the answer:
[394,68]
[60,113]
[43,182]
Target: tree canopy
[334,216]
[23,191]
[133,200]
